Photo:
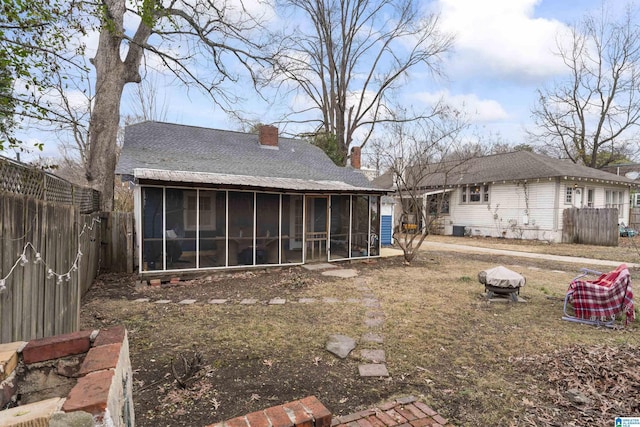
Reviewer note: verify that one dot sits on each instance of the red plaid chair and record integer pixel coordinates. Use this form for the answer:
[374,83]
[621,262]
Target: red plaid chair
[599,301]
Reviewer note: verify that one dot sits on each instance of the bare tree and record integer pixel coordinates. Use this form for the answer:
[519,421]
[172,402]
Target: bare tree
[592,115]
[420,158]
[204,43]
[354,55]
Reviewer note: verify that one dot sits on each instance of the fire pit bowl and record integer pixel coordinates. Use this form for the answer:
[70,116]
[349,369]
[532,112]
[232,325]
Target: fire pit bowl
[500,281]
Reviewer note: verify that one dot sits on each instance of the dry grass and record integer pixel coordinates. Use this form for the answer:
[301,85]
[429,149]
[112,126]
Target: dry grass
[628,249]
[457,348]
[443,341]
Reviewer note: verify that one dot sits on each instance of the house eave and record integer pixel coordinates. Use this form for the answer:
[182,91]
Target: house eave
[244,182]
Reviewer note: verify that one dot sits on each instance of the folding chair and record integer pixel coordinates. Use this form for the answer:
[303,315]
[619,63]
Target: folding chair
[597,302]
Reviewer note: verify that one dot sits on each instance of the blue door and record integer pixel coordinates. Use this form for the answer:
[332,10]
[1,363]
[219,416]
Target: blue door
[386,230]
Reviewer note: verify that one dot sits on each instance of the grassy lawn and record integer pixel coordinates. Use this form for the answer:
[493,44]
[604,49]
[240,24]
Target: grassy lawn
[475,362]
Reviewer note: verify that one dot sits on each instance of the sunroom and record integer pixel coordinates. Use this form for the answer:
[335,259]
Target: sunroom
[196,221]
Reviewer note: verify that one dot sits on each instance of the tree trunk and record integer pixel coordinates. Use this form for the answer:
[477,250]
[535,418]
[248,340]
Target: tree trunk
[112,74]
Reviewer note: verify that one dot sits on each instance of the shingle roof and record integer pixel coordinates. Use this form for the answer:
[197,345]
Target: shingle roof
[517,166]
[172,147]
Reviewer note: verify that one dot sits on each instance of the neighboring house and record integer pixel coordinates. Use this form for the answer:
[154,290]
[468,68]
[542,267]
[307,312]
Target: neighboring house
[210,199]
[517,194]
[631,171]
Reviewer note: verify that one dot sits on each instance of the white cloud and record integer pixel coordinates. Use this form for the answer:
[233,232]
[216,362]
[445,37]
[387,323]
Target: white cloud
[501,37]
[478,110]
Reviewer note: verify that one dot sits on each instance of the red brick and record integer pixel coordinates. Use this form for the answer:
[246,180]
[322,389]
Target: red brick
[278,417]
[90,394]
[55,347]
[345,419]
[405,425]
[298,414]
[424,408]
[155,282]
[407,414]
[439,419]
[386,419]
[375,422]
[415,411]
[258,419]
[111,335]
[321,415]
[406,400]
[423,422]
[363,422]
[353,424]
[236,422]
[396,416]
[99,358]
[175,280]
[388,405]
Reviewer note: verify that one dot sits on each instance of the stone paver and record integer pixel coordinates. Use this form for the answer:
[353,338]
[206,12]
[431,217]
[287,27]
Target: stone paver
[342,273]
[373,337]
[163,301]
[319,266]
[141,300]
[248,301]
[306,300]
[330,300]
[187,301]
[353,300]
[373,322]
[371,302]
[375,356]
[217,301]
[373,370]
[277,301]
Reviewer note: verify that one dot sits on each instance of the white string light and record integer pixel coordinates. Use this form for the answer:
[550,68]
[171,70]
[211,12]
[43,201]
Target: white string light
[23,260]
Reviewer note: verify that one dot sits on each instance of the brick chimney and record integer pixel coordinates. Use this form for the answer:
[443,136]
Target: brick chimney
[268,135]
[355,157]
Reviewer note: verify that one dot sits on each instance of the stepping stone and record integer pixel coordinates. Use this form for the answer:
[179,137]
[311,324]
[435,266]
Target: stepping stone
[375,356]
[372,314]
[187,301]
[342,273]
[371,302]
[318,266]
[330,300]
[373,370]
[306,300]
[141,300]
[163,301]
[353,300]
[217,301]
[248,301]
[340,345]
[371,337]
[373,323]
[277,301]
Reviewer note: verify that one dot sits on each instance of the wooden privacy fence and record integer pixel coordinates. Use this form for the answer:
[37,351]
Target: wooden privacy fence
[119,236]
[590,226]
[634,218]
[49,258]
[50,252]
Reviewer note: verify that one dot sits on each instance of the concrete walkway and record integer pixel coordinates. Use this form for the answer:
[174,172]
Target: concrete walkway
[451,247]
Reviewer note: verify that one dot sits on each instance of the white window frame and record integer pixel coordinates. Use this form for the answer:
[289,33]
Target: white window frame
[199,215]
[483,194]
[568,195]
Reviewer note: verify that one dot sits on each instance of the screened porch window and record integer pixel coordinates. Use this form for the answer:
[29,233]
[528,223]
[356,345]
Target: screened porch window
[207,210]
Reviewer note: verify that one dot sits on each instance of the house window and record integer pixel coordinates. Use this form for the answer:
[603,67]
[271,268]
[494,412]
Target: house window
[635,200]
[207,210]
[568,196]
[440,201]
[590,198]
[614,199]
[475,194]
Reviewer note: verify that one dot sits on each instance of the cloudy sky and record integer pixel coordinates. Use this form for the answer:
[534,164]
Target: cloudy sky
[504,51]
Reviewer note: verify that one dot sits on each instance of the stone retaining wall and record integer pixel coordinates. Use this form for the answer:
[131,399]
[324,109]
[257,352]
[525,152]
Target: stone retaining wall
[82,379]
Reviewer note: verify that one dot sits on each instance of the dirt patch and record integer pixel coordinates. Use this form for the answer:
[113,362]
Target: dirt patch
[474,362]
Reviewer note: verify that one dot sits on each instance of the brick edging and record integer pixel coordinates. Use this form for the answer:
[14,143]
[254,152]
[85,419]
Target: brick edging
[307,412]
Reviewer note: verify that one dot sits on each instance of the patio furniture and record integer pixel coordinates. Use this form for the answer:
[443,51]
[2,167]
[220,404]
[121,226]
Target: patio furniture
[597,302]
